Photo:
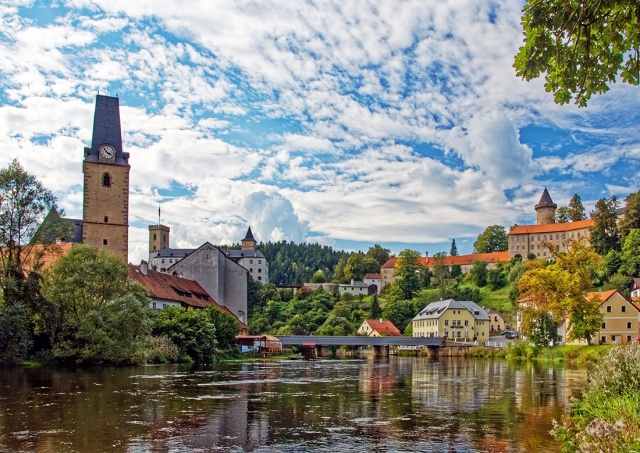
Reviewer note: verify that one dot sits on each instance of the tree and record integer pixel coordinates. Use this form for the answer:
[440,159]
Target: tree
[539,326]
[479,273]
[631,254]
[100,315]
[15,333]
[605,235]
[454,249]
[563,215]
[190,329]
[496,279]
[407,279]
[585,320]
[440,278]
[576,209]
[318,277]
[399,312]
[580,46]
[226,325]
[493,239]
[378,253]
[631,217]
[338,272]
[375,311]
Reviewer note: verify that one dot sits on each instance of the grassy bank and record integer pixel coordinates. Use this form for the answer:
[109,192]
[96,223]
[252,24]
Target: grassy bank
[580,355]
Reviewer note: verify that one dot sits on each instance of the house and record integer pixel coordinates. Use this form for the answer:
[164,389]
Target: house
[497,322]
[378,328]
[620,319]
[388,269]
[261,344]
[373,279]
[167,290]
[531,240]
[357,288]
[452,319]
[635,289]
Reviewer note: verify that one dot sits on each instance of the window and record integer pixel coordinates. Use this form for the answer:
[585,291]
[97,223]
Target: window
[604,325]
[629,325]
[446,322]
[259,277]
[250,261]
[251,270]
[105,242]
[259,270]
[624,308]
[106,180]
[608,308]
[603,339]
[162,260]
[106,219]
[466,322]
[154,236]
[259,261]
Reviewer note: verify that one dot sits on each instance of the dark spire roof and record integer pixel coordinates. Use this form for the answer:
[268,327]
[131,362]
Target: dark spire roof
[249,236]
[545,200]
[106,129]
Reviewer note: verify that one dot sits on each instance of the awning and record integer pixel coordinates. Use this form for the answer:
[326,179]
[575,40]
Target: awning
[308,344]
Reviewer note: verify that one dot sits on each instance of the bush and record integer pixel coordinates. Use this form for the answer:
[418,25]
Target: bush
[160,349]
[607,416]
[191,330]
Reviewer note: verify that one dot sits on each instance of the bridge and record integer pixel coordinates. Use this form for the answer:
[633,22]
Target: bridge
[380,344]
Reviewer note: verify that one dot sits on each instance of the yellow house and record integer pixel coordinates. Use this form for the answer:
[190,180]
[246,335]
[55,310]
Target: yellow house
[620,319]
[497,321]
[452,319]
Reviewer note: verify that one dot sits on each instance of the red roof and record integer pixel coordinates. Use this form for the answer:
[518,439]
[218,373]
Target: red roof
[384,328]
[460,260]
[176,289]
[372,276]
[552,227]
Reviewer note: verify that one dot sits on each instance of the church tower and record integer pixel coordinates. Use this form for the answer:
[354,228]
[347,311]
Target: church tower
[158,238]
[249,243]
[546,209]
[106,182]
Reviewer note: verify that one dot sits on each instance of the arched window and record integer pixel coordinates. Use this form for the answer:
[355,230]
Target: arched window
[106,180]
[154,236]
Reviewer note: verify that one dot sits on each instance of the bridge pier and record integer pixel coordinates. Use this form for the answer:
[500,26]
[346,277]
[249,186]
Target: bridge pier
[380,351]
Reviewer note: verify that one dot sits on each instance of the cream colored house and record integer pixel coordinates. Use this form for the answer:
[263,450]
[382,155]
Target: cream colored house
[497,322]
[378,328]
[620,319]
[452,319]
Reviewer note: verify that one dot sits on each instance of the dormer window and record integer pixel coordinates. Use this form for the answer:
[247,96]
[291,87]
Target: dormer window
[106,180]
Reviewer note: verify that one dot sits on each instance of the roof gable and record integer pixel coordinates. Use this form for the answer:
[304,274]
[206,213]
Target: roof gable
[383,328]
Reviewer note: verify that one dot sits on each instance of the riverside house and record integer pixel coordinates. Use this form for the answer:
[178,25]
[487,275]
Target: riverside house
[452,319]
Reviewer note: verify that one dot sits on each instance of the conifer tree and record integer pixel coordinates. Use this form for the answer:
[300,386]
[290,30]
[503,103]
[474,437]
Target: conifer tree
[454,248]
[576,209]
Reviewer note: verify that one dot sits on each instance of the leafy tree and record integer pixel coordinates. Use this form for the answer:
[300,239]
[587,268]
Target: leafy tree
[539,326]
[407,280]
[585,320]
[604,234]
[399,312]
[100,315]
[562,215]
[454,248]
[576,209]
[318,277]
[580,46]
[631,254]
[191,330]
[338,272]
[354,269]
[254,290]
[379,254]
[620,282]
[440,271]
[631,217]
[496,279]
[559,287]
[611,263]
[335,326]
[479,273]
[408,330]
[456,271]
[375,312]
[268,293]
[226,325]
[15,333]
[493,239]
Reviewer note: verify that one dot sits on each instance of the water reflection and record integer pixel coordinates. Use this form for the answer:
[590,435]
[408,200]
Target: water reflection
[399,404]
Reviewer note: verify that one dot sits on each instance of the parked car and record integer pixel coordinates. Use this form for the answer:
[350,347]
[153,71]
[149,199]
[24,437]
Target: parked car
[510,334]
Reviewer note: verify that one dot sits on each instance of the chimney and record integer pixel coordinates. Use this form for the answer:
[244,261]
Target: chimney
[144,267]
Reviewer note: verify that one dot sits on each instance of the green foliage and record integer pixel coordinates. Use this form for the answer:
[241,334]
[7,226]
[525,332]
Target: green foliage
[631,253]
[493,239]
[375,312]
[15,333]
[399,312]
[190,329]
[611,263]
[585,320]
[576,209]
[335,326]
[562,215]
[580,46]
[454,248]
[606,417]
[226,325]
[100,315]
[539,327]
[254,289]
[631,217]
[318,277]
[496,279]
[407,281]
[160,349]
[379,254]
[479,273]
[619,282]
[605,235]
[338,272]
[440,277]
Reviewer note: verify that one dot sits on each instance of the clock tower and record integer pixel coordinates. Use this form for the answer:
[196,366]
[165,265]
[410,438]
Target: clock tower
[105,222]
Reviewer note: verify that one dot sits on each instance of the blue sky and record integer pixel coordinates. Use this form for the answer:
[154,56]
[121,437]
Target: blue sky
[344,123]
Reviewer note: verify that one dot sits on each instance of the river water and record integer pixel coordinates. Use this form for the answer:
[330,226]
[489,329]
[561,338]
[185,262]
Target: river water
[358,405]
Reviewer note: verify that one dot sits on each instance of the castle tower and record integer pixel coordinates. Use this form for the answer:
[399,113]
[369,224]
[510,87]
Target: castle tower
[106,182]
[546,209]
[158,238]
[249,243]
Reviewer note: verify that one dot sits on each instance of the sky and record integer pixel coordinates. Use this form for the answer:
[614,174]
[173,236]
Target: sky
[344,123]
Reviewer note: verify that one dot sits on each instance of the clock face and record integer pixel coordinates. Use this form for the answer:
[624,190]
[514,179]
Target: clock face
[107,151]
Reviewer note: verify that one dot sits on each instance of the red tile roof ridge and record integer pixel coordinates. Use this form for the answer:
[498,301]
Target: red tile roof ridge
[458,260]
[552,227]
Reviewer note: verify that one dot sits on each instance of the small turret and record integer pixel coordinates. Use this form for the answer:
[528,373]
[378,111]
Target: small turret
[249,243]
[546,209]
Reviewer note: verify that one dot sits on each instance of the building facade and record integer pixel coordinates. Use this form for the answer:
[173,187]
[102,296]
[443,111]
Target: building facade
[452,319]
[378,328]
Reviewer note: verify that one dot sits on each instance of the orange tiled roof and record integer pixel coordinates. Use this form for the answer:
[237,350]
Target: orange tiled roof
[384,327]
[603,295]
[372,276]
[460,260]
[552,227]
[176,289]
[50,254]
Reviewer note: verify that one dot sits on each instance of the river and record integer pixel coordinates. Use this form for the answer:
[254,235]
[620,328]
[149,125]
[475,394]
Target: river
[357,405]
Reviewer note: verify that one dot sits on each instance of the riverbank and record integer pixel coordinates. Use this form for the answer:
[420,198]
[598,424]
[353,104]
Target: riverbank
[579,355]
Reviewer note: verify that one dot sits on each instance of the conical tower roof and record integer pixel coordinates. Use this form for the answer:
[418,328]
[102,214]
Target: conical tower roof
[545,201]
[249,236]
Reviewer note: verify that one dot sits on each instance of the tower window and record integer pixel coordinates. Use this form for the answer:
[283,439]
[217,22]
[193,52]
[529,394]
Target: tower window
[106,180]
[154,236]
[105,242]
[106,219]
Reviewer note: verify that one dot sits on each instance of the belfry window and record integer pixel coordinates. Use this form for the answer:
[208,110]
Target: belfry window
[106,180]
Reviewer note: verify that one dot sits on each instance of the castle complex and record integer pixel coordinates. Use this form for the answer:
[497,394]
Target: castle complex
[528,241]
